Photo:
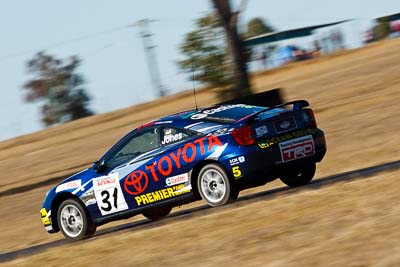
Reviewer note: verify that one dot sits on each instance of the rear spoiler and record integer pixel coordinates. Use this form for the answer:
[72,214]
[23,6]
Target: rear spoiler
[297,105]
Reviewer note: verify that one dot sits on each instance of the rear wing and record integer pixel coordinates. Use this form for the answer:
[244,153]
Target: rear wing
[297,105]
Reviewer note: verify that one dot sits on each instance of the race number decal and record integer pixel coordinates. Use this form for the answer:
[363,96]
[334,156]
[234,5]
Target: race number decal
[108,194]
[297,148]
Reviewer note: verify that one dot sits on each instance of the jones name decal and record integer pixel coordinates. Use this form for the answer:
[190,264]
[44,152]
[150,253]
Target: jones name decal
[171,138]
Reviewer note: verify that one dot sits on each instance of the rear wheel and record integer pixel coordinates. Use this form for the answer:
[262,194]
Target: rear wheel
[157,213]
[73,220]
[214,185]
[299,177]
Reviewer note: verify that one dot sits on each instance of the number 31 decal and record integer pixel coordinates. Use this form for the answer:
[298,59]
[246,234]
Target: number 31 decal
[108,194]
[106,199]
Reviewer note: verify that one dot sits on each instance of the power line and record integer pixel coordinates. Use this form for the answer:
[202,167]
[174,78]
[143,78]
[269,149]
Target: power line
[62,43]
[81,38]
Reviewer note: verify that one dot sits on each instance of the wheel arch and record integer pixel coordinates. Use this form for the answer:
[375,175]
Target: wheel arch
[196,170]
[56,204]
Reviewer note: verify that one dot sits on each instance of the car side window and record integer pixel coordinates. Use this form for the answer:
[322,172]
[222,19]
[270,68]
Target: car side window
[142,142]
[171,135]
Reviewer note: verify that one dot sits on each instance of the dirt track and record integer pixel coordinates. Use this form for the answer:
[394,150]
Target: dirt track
[355,95]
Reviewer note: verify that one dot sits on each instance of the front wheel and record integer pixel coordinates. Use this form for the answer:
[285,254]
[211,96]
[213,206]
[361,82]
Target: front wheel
[214,185]
[73,220]
[299,177]
[158,213]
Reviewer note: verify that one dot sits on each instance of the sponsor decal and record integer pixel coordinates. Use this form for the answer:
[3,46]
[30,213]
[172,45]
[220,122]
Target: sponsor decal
[162,194]
[233,161]
[207,112]
[162,122]
[261,130]
[108,193]
[223,131]
[236,161]
[45,216]
[169,138]
[69,185]
[137,181]
[105,181]
[297,148]
[178,179]
[275,140]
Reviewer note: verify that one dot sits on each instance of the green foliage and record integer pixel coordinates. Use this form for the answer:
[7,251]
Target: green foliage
[59,87]
[382,29]
[257,26]
[204,53]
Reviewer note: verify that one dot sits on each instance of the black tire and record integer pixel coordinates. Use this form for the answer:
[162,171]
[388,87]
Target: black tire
[299,177]
[214,185]
[157,213]
[73,220]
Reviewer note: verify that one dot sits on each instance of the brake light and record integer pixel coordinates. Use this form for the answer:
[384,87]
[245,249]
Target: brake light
[243,136]
[311,117]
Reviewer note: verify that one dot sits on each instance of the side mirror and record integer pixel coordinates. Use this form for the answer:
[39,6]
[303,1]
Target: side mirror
[99,166]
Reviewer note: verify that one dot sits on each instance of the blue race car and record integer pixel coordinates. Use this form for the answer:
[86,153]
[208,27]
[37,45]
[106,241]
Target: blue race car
[209,153]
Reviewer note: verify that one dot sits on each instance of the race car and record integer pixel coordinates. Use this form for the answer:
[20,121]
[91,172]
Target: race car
[209,153]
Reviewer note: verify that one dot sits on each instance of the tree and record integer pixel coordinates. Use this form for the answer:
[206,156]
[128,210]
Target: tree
[235,47]
[257,26]
[382,29]
[205,53]
[59,87]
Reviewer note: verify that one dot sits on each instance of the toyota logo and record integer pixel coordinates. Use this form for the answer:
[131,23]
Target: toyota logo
[136,182]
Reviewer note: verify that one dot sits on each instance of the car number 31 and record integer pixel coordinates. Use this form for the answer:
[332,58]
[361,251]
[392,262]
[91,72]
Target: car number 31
[108,194]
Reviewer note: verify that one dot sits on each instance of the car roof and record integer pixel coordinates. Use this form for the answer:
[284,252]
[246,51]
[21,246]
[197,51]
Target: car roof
[208,116]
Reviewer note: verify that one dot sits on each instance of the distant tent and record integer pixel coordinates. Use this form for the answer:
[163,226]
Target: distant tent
[389,18]
[284,54]
[288,34]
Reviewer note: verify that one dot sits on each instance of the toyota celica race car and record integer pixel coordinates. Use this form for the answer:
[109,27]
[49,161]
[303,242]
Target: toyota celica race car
[208,153]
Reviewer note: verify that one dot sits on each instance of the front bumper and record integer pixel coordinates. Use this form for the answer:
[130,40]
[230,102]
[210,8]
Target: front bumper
[46,220]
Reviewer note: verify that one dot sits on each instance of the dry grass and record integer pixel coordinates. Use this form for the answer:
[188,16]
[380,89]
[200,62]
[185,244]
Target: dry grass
[346,224]
[356,97]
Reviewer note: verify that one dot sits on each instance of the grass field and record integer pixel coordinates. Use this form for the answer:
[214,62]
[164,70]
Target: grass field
[356,97]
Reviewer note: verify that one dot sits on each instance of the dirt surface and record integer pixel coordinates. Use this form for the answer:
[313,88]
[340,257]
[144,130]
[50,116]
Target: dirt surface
[356,98]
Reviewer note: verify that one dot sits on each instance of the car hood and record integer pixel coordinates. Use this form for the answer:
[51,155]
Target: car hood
[76,181]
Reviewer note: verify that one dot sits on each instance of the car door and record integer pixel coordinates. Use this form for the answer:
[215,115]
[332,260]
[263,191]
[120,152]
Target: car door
[126,173]
[164,176]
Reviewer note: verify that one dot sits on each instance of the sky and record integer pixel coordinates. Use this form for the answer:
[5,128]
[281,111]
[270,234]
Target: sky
[113,61]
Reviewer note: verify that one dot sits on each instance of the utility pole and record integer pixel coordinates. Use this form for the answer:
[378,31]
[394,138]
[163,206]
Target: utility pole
[151,58]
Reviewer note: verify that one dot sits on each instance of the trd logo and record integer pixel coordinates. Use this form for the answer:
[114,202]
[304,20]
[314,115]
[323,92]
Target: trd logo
[297,149]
